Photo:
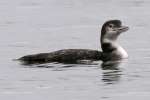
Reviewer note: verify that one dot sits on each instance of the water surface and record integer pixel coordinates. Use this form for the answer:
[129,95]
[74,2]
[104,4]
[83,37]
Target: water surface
[33,26]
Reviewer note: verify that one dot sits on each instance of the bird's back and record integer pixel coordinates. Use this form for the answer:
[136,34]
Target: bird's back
[65,55]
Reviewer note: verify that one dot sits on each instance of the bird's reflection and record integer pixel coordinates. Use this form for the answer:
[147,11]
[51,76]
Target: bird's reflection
[111,72]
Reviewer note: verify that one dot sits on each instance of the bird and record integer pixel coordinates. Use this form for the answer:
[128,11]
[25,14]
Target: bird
[111,50]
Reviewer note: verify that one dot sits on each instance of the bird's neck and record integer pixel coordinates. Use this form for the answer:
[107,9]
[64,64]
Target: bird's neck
[112,48]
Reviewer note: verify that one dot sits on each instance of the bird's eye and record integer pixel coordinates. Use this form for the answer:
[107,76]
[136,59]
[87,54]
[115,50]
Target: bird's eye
[110,25]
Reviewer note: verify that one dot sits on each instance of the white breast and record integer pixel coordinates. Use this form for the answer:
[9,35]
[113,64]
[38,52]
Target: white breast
[122,52]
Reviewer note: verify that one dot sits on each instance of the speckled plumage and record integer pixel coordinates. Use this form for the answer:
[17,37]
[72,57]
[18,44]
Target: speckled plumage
[65,55]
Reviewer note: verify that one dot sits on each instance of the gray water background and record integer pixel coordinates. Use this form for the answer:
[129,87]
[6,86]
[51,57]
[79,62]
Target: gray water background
[33,26]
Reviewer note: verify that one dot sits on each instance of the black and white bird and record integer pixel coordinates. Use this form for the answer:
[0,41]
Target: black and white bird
[111,50]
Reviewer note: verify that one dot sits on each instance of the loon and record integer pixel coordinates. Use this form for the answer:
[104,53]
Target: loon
[111,50]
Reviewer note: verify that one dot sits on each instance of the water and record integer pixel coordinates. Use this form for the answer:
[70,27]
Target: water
[33,26]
